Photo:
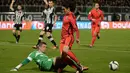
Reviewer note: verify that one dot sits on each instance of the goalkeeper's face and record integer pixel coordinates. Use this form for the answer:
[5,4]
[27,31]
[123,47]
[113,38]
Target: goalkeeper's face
[42,48]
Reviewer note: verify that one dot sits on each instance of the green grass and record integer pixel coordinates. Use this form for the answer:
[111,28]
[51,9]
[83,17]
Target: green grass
[113,45]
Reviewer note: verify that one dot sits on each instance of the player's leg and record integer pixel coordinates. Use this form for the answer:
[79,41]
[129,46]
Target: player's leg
[64,55]
[93,32]
[18,37]
[49,35]
[14,31]
[41,36]
[71,63]
[58,64]
[61,47]
[19,31]
[67,51]
[72,54]
[98,32]
[66,58]
[74,65]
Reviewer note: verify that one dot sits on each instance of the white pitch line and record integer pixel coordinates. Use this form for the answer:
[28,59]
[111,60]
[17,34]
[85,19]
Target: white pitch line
[14,44]
[107,45]
[109,50]
[93,49]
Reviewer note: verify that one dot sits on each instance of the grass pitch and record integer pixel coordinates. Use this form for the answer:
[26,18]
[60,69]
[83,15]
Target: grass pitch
[113,45]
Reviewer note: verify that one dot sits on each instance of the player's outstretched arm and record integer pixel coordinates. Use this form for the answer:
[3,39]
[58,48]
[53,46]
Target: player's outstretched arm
[11,5]
[17,67]
[26,61]
[101,18]
[74,25]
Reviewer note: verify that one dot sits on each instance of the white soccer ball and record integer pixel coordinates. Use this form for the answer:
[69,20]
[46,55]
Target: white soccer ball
[113,65]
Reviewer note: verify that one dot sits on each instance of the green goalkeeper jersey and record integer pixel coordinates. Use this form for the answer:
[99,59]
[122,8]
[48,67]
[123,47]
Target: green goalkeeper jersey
[41,60]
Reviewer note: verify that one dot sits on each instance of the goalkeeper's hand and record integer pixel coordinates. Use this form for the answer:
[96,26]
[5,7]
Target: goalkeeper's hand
[14,69]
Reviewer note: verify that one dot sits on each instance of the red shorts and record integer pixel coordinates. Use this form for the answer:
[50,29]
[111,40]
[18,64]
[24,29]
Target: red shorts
[68,41]
[95,29]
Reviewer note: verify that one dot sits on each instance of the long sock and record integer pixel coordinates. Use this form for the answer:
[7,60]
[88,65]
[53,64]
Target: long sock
[93,40]
[40,39]
[52,40]
[71,63]
[18,38]
[72,56]
[14,34]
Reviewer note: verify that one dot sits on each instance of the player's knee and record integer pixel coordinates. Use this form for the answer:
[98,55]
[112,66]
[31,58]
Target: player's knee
[65,49]
[48,34]
[42,32]
[63,55]
[18,32]
[14,31]
[95,33]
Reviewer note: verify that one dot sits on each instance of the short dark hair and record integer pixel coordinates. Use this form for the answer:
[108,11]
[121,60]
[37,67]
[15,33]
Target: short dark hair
[69,4]
[96,3]
[41,43]
[50,0]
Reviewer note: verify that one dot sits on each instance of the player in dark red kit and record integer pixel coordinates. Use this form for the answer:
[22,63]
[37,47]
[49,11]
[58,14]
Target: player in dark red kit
[67,34]
[96,16]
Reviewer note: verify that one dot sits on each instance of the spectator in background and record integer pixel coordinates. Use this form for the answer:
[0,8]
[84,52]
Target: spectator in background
[77,14]
[116,17]
[79,2]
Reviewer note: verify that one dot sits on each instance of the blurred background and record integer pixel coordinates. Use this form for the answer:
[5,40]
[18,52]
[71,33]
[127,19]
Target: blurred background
[117,10]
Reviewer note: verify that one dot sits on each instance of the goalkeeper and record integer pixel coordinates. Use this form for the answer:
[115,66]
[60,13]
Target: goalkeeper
[44,63]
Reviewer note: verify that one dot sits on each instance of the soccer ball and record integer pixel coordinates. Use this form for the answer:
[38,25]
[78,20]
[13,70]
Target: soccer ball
[113,65]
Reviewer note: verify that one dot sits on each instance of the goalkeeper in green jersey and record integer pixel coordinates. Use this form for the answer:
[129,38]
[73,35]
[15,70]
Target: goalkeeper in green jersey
[47,64]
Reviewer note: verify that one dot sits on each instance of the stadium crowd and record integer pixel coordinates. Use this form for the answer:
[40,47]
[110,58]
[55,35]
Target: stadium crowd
[79,2]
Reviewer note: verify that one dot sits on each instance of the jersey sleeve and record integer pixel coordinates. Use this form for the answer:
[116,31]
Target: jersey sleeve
[31,56]
[77,32]
[43,15]
[54,12]
[74,25]
[72,21]
[90,15]
[28,59]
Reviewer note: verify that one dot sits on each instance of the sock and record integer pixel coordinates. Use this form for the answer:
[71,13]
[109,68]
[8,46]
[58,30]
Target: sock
[40,39]
[72,56]
[18,38]
[71,63]
[93,40]
[52,40]
[98,35]
[14,34]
